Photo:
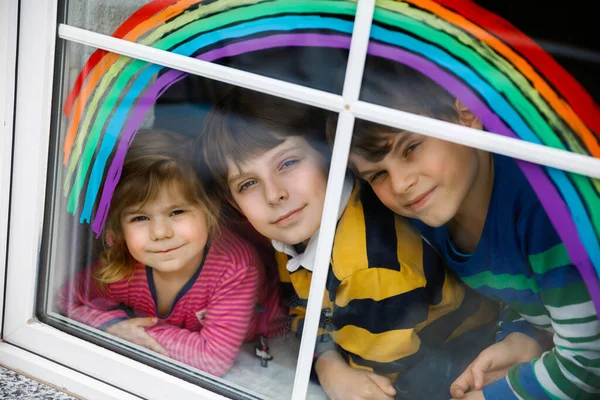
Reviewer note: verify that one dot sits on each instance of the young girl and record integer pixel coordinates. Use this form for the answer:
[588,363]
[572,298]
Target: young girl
[167,280]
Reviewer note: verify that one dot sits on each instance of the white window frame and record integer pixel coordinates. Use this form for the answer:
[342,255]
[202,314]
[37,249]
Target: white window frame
[92,371]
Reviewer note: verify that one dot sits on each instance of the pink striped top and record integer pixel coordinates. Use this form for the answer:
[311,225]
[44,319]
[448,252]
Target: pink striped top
[213,314]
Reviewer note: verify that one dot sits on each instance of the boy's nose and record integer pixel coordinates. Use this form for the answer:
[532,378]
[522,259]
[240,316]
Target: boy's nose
[275,193]
[401,184]
[160,230]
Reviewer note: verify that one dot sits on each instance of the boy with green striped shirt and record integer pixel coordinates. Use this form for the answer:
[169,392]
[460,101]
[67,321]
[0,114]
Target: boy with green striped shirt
[479,210]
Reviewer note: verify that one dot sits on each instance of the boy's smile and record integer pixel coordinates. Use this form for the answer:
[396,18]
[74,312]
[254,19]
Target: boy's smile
[424,178]
[282,190]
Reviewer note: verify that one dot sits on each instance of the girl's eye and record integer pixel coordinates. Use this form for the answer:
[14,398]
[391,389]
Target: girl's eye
[177,212]
[288,163]
[376,175]
[410,149]
[139,218]
[247,185]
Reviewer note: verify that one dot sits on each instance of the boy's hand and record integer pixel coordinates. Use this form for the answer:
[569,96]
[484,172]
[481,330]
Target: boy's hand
[494,363]
[342,382]
[133,330]
[473,395]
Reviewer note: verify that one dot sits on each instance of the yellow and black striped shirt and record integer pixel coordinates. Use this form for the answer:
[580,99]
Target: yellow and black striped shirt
[388,293]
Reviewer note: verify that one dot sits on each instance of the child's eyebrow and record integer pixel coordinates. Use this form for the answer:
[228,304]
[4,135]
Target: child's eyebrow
[233,178]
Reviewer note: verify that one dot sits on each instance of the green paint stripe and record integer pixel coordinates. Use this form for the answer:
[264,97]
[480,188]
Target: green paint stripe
[246,10]
[401,19]
[591,199]
[500,82]
[498,61]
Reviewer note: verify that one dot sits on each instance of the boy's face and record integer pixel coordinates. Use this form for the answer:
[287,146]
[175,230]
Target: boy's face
[281,191]
[421,177]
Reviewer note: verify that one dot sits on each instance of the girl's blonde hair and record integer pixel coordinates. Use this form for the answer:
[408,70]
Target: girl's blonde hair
[154,160]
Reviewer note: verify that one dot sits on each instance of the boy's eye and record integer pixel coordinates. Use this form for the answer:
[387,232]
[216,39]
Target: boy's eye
[139,218]
[376,176]
[247,185]
[410,149]
[288,163]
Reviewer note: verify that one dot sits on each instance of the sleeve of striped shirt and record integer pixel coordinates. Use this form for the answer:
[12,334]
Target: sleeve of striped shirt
[571,369]
[511,321]
[213,349]
[82,299]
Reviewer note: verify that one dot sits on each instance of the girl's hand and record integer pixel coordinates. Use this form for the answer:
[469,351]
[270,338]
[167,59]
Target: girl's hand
[133,330]
[494,363]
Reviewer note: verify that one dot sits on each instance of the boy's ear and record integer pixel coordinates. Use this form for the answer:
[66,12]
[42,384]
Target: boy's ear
[466,117]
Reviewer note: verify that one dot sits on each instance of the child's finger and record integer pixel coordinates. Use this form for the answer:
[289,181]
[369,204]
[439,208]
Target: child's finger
[158,349]
[383,383]
[462,384]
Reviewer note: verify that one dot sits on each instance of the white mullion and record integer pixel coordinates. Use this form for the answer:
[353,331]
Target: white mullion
[516,148]
[8,63]
[290,91]
[337,171]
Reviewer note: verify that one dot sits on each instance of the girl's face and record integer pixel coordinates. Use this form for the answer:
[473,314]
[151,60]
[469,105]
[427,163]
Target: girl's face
[167,234]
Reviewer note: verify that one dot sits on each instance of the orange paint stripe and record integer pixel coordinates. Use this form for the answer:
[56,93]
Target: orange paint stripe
[562,107]
[108,61]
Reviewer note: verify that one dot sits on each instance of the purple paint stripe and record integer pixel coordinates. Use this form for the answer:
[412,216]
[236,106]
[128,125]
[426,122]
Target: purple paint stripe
[173,76]
[549,197]
[553,203]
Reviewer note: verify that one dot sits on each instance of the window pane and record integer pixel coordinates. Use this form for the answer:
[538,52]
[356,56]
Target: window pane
[305,41]
[146,256]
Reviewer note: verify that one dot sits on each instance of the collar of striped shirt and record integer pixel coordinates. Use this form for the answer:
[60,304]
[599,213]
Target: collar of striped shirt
[306,259]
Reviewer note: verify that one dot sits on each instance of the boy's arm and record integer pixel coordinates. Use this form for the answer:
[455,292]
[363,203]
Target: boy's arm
[225,325]
[84,301]
[569,370]
[511,321]
[297,312]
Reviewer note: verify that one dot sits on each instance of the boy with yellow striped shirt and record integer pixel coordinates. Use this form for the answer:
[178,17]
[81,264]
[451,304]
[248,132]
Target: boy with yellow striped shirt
[391,307]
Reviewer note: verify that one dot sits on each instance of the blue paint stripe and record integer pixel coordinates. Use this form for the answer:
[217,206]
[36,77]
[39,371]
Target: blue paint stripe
[499,104]
[287,23]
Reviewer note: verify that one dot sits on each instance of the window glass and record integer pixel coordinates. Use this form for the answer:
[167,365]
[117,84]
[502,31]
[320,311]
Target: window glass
[147,254]
[306,41]
[447,255]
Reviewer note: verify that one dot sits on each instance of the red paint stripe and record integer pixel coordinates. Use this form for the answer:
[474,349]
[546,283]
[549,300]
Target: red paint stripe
[581,101]
[136,18]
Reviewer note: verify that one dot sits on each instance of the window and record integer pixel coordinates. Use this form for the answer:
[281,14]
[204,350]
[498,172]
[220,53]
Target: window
[117,70]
